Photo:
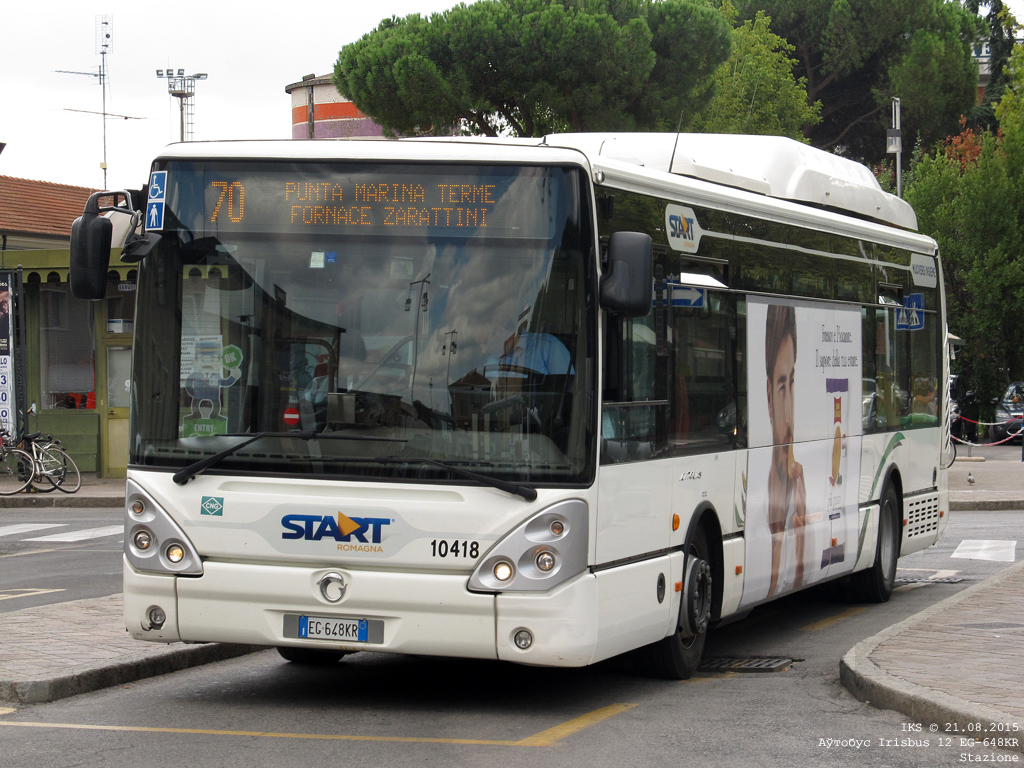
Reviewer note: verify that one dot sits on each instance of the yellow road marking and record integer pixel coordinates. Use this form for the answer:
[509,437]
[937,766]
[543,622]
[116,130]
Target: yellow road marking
[826,623]
[25,593]
[32,552]
[559,732]
[7,710]
[76,547]
[543,739]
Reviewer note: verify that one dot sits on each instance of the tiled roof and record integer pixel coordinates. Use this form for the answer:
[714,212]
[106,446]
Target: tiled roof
[40,207]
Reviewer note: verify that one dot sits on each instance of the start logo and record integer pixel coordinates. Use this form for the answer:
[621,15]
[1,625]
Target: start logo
[682,227]
[366,530]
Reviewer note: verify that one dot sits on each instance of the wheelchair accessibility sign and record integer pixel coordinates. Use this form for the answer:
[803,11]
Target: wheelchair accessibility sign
[155,203]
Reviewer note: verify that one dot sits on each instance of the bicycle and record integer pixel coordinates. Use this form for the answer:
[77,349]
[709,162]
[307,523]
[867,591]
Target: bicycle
[17,469]
[54,468]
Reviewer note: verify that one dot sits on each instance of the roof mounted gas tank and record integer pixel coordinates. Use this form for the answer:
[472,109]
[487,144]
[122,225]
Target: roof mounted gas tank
[768,165]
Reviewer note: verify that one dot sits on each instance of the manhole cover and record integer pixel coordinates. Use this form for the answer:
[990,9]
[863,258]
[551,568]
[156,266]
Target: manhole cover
[746,665]
[926,580]
[991,625]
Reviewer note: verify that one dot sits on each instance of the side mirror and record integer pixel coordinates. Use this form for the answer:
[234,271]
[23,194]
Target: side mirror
[627,288]
[90,251]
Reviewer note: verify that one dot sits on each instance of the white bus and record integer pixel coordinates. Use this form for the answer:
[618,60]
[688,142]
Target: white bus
[545,401]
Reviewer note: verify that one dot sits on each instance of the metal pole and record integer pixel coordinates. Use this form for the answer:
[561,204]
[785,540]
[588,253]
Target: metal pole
[899,155]
[17,314]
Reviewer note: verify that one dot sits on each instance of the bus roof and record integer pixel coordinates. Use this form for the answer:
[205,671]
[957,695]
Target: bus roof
[769,165]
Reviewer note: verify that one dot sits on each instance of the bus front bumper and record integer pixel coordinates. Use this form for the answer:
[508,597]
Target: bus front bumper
[425,614]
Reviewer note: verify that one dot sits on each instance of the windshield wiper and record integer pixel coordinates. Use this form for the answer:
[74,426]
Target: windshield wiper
[528,492]
[185,474]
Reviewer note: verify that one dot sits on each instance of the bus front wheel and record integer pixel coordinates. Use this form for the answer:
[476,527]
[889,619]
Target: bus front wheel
[677,656]
[875,585]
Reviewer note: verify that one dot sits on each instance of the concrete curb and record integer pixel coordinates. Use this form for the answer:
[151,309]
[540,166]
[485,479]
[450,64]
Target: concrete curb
[127,671]
[58,499]
[986,505]
[873,685]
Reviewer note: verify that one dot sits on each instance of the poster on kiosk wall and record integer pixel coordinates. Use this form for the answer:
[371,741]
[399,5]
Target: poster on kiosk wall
[8,405]
[803,466]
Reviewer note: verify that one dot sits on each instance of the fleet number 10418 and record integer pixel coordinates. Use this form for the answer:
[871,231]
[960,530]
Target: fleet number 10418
[454,548]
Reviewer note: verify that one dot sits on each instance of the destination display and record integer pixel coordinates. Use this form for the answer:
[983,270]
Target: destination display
[394,200]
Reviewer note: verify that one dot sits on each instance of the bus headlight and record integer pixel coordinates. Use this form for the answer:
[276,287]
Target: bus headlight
[153,541]
[541,553]
[545,561]
[503,570]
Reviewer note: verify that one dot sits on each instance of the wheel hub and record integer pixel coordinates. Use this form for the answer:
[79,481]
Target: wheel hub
[696,608]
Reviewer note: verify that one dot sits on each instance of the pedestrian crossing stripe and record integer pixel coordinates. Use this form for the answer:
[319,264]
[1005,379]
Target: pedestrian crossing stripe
[13,530]
[89,533]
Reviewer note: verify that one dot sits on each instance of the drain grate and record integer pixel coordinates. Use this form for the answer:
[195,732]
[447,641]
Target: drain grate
[991,625]
[773,664]
[926,580]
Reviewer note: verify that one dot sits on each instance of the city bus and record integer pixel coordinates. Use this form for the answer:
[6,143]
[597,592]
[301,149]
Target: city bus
[547,401]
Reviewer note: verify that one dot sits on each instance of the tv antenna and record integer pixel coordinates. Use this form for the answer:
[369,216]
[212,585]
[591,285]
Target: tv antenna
[104,45]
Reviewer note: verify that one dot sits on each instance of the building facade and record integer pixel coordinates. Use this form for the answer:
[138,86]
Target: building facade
[320,112]
[77,356]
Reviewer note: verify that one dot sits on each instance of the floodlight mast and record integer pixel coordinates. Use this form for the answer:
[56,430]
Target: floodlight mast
[183,88]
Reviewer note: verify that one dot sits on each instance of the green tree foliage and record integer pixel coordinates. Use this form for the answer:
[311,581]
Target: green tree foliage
[755,91]
[969,196]
[528,67]
[857,54]
[1002,28]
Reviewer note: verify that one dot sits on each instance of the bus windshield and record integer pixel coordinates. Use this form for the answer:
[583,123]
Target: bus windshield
[405,316]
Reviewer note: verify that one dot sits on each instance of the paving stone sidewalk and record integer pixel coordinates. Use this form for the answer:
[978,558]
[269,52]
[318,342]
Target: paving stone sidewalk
[960,661]
[61,650]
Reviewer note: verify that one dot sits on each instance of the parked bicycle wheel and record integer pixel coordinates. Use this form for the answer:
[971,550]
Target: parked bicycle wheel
[72,479]
[16,471]
[50,468]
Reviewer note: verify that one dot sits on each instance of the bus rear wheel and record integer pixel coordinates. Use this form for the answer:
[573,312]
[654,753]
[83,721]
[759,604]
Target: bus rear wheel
[677,656]
[875,585]
[311,656]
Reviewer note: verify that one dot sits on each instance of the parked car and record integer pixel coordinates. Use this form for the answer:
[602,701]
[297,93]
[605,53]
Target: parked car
[1009,412]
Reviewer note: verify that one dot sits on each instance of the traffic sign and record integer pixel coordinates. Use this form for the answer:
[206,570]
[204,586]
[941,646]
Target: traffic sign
[291,416]
[910,317]
[155,203]
[688,296]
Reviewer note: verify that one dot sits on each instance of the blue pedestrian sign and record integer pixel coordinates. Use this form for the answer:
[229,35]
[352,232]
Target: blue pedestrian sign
[155,203]
[910,317]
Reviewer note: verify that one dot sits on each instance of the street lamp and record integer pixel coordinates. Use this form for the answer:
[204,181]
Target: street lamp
[183,88]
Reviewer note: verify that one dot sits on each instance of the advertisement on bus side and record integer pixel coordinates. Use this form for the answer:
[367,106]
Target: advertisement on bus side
[803,466]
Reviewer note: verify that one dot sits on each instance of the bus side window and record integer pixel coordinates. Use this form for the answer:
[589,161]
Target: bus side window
[706,413]
[634,411]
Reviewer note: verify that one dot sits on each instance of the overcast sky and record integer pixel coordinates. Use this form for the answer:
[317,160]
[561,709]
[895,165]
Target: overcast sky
[249,52]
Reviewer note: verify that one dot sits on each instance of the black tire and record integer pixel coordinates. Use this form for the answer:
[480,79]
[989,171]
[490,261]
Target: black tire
[15,471]
[677,656]
[72,477]
[50,469]
[311,656]
[875,585]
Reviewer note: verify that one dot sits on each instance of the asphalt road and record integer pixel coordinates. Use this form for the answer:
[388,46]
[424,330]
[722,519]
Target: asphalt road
[376,709]
[50,555]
